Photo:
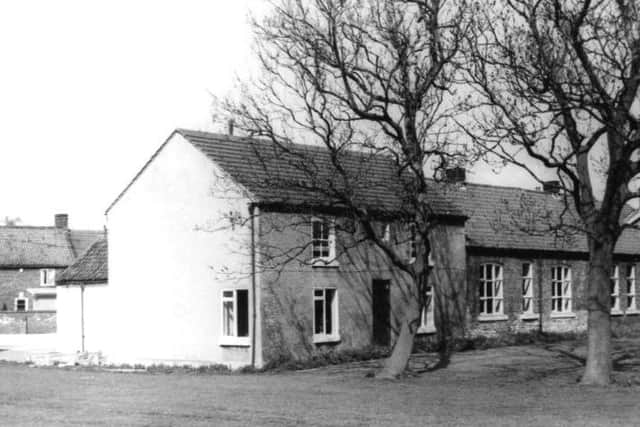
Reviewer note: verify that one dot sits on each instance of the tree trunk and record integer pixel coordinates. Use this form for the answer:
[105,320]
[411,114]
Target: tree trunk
[598,368]
[397,362]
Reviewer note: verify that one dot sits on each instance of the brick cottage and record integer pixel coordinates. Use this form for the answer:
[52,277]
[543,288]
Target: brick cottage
[209,263]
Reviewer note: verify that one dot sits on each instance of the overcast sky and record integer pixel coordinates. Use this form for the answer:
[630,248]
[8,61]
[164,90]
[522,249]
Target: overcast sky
[89,90]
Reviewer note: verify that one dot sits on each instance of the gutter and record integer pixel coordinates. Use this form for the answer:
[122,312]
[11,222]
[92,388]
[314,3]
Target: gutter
[252,208]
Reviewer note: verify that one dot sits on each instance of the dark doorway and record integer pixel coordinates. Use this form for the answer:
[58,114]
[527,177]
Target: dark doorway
[381,313]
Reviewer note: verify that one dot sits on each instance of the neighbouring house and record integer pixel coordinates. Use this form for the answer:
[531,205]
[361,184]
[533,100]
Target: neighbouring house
[30,258]
[198,240]
[81,303]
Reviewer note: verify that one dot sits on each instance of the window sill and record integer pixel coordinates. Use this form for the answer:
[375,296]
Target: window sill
[492,317]
[323,339]
[324,263]
[427,330]
[235,342]
[631,312]
[530,316]
[617,313]
[563,315]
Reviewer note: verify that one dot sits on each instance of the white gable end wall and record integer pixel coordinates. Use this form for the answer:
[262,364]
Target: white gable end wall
[172,250]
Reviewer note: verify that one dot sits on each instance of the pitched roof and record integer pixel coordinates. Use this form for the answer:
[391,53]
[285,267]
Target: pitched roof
[497,217]
[305,175]
[92,267]
[24,246]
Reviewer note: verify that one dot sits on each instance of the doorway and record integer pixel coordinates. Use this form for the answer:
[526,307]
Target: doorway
[381,313]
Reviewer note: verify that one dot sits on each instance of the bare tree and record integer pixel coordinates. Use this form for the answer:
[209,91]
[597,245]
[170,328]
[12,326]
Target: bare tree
[558,88]
[371,77]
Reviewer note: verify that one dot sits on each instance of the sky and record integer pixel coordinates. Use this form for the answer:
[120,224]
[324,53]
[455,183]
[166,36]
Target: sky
[89,90]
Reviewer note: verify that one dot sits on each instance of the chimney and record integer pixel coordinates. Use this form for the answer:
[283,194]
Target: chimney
[455,174]
[61,221]
[230,125]
[551,187]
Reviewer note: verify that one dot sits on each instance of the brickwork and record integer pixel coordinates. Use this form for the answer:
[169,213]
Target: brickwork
[512,294]
[14,281]
[34,322]
[287,290]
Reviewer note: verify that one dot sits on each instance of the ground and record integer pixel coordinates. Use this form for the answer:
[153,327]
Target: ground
[524,386]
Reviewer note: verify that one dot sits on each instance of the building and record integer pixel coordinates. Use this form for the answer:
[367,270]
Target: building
[209,262]
[30,258]
[81,303]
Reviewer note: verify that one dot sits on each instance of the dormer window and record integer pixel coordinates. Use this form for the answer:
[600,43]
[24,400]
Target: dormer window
[47,277]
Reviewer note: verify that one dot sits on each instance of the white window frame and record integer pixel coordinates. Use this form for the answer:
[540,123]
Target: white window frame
[330,258]
[496,284]
[631,306]
[47,277]
[386,232]
[234,339]
[413,244]
[528,300]
[334,335]
[427,314]
[615,292]
[562,303]
[21,297]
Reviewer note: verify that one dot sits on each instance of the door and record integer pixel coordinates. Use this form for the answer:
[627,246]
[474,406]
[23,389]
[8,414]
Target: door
[381,313]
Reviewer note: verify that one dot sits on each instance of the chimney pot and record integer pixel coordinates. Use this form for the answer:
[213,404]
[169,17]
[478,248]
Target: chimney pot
[230,125]
[455,174]
[552,187]
[61,221]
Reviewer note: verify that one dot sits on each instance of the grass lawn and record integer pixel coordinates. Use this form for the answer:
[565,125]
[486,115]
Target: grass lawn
[509,386]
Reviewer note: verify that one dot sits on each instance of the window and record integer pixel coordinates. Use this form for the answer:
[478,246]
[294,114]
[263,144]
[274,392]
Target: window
[615,290]
[527,288]
[427,324]
[631,288]
[560,290]
[235,316]
[325,315]
[491,290]
[47,277]
[413,248]
[21,303]
[385,232]
[323,239]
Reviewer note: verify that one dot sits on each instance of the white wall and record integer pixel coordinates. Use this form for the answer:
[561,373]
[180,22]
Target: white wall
[171,252]
[69,317]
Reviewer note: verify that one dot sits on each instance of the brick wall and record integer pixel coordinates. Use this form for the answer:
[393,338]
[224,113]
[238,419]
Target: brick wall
[14,281]
[287,289]
[512,294]
[34,322]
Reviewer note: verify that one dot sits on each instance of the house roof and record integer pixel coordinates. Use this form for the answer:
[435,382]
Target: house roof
[23,246]
[497,217]
[294,175]
[92,267]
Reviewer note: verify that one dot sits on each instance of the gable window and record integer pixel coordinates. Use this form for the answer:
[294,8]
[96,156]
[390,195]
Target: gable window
[385,232]
[491,290]
[631,288]
[427,324]
[21,303]
[527,288]
[235,316]
[47,277]
[615,290]
[325,315]
[323,239]
[560,290]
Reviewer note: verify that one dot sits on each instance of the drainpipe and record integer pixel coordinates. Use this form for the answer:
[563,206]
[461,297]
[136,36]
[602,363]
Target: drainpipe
[82,316]
[253,284]
[540,301]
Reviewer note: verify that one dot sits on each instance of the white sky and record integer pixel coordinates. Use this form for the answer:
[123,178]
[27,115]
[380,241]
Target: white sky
[89,90]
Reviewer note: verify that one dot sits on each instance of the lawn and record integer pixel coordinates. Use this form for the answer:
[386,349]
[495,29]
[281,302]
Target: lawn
[509,386]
